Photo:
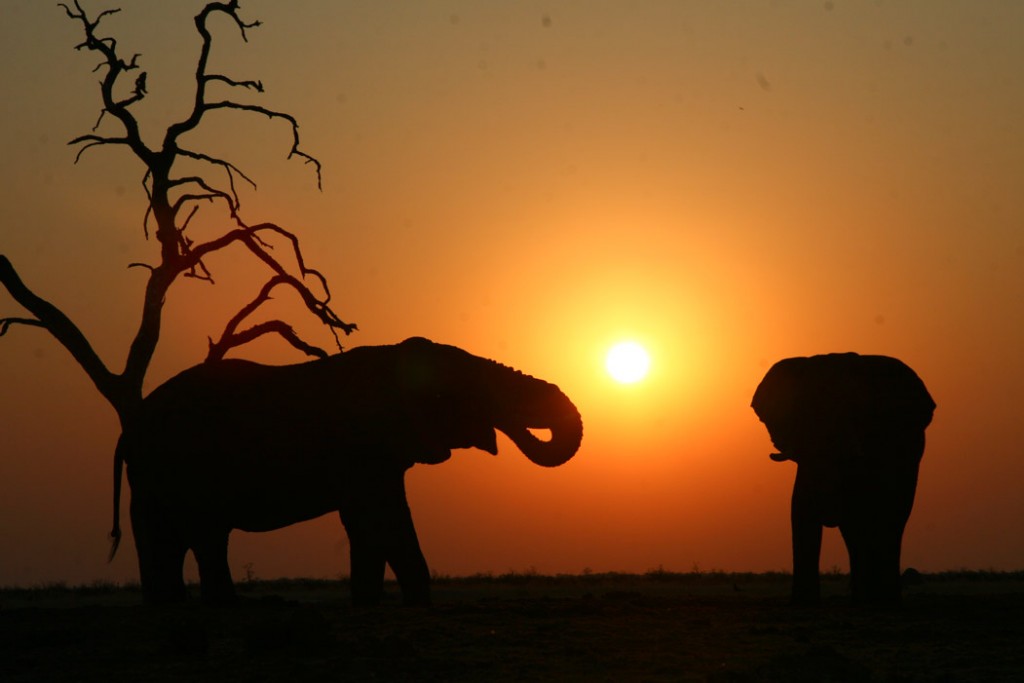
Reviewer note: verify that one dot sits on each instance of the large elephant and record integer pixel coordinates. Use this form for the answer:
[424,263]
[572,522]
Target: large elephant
[236,445]
[855,426]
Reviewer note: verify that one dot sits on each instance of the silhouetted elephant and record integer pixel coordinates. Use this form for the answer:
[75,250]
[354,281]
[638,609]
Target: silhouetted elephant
[237,445]
[855,427]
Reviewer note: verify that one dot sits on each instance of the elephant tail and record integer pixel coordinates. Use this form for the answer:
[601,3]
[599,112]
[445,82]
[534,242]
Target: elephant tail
[115,531]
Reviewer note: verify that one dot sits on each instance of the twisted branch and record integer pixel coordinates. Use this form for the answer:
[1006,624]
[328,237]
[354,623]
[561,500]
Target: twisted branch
[231,337]
[271,114]
[250,238]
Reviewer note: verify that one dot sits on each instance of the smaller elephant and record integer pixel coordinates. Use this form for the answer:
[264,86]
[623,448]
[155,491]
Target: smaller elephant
[854,425]
[232,444]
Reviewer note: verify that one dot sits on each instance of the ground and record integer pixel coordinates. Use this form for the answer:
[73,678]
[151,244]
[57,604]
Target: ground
[656,627]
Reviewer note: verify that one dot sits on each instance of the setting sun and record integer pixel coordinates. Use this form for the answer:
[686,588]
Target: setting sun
[627,362]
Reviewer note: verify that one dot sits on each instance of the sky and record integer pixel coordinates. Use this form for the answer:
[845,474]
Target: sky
[728,184]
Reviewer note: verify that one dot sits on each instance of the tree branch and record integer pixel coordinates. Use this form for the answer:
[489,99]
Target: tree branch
[211,193]
[251,85]
[218,350]
[230,338]
[199,103]
[6,323]
[115,67]
[271,114]
[94,141]
[66,332]
[249,237]
[228,167]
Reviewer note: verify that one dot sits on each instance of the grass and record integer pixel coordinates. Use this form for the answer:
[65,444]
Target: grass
[659,626]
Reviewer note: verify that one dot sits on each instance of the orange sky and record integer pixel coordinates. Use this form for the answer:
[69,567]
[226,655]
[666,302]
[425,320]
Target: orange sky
[729,183]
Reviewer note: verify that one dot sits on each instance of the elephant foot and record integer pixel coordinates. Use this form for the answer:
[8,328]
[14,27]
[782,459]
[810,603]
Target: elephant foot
[359,601]
[887,599]
[157,598]
[805,596]
[216,589]
[220,600]
[416,599]
[804,601]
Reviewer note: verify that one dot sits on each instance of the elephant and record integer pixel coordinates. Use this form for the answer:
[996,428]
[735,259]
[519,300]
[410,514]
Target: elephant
[854,425]
[232,444]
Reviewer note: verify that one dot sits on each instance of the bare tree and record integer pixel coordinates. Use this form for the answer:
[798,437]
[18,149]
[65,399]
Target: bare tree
[174,197]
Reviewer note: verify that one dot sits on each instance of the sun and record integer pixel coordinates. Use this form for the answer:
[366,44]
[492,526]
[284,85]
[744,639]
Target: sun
[627,362]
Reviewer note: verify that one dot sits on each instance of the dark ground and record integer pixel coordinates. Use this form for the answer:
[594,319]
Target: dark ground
[966,626]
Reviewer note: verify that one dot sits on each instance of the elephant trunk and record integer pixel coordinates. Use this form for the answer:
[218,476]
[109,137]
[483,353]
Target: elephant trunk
[544,407]
[565,441]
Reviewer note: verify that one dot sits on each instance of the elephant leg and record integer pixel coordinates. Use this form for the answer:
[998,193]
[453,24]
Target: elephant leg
[854,538]
[211,551]
[404,553]
[161,552]
[874,549]
[806,530]
[366,556]
[381,532]
[873,531]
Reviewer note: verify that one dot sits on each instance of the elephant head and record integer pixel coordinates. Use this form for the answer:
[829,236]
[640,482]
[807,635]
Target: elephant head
[855,427]
[453,399]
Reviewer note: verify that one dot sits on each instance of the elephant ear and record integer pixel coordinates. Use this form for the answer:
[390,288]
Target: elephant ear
[438,414]
[899,397]
[778,402]
[805,401]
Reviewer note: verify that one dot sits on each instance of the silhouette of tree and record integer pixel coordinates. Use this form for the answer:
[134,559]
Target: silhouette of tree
[173,201]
